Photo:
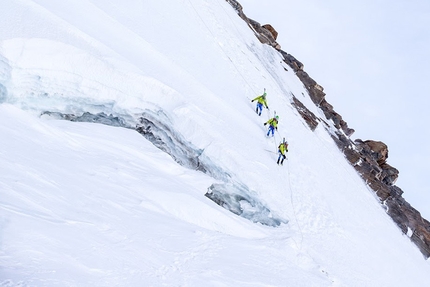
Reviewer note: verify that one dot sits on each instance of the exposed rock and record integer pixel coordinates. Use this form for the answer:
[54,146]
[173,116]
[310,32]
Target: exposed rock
[347,130]
[316,94]
[238,8]
[264,32]
[352,156]
[389,173]
[307,81]
[408,218]
[379,150]
[421,238]
[318,87]
[271,30]
[264,35]
[291,61]
[382,190]
[306,114]
[396,213]
[329,113]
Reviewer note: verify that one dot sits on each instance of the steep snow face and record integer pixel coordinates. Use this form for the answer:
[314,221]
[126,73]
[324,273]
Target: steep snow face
[91,205]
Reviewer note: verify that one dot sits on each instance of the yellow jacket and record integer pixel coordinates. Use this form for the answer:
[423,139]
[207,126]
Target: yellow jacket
[261,99]
[283,147]
[273,122]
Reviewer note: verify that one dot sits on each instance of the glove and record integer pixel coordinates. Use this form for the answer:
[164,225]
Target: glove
[265,123]
[267,107]
[276,128]
[252,101]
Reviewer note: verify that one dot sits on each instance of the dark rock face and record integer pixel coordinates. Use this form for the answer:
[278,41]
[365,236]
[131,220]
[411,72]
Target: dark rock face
[266,34]
[367,157]
[316,93]
[376,153]
[238,8]
[389,173]
[292,62]
[306,114]
[337,119]
[271,30]
[378,150]
[409,220]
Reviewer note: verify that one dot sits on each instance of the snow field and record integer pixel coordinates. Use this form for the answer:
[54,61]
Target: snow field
[101,206]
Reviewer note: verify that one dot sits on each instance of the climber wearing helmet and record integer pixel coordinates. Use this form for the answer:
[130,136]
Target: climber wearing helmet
[273,124]
[261,100]
[282,149]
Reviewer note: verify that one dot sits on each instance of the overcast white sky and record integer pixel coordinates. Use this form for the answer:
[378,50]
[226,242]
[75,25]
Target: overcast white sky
[372,58]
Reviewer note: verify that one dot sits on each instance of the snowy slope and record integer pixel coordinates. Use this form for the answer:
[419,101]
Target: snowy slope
[85,204]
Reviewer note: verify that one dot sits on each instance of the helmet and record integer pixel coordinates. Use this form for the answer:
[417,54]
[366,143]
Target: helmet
[277,117]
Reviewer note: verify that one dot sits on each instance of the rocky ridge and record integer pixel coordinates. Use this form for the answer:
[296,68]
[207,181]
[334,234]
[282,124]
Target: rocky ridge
[368,157]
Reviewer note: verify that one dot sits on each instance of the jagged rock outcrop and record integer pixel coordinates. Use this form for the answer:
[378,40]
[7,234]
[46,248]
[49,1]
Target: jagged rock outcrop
[316,93]
[291,61]
[305,113]
[409,220]
[378,150]
[266,34]
[271,30]
[336,118]
[367,157]
[239,9]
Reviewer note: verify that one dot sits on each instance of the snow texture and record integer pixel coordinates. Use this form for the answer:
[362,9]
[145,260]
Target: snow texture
[123,124]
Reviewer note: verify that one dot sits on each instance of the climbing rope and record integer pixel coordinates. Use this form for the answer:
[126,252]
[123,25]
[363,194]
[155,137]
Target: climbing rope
[293,207]
[299,246]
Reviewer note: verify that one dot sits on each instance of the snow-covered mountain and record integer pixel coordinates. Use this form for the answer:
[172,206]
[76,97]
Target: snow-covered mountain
[124,123]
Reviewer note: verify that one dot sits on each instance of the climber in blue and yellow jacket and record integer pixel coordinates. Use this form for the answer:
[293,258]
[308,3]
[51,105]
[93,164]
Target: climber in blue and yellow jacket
[273,124]
[261,100]
[282,149]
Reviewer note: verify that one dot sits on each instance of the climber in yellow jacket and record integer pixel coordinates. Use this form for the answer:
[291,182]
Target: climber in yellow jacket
[261,100]
[282,149]
[273,125]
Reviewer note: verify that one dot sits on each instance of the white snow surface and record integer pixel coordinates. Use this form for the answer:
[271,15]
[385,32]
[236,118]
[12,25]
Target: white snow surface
[86,204]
